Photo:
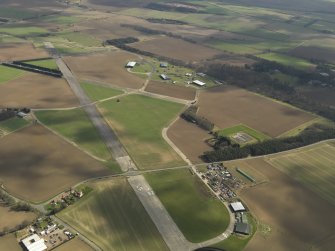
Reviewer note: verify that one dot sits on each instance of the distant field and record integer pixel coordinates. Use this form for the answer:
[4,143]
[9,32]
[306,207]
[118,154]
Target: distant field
[10,219]
[43,92]
[198,214]
[9,242]
[20,51]
[8,73]
[171,90]
[114,218]
[176,49]
[34,154]
[107,68]
[12,124]
[96,92]
[74,244]
[23,31]
[242,128]
[77,127]
[288,60]
[228,106]
[314,167]
[47,63]
[293,207]
[138,121]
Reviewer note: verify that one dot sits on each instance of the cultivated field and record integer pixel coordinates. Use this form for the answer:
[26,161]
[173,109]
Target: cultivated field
[108,68]
[12,124]
[76,127]
[42,164]
[176,49]
[47,63]
[8,73]
[139,120]
[9,242]
[10,219]
[171,90]
[114,218]
[74,244]
[313,52]
[198,214]
[313,167]
[37,91]
[190,139]
[20,51]
[228,106]
[296,218]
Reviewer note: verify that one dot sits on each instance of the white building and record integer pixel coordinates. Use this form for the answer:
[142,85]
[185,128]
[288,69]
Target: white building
[198,82]
[131,64]
[34,243]
[237,207]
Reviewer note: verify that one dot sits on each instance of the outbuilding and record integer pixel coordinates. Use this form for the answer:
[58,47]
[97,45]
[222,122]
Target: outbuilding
[237,207]
[164,77]
[242,228]
[199,83]
[34,243]
[131,64]
[163,65]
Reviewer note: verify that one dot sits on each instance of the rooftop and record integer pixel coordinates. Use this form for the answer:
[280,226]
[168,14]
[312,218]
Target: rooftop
[237,206]
[34,243]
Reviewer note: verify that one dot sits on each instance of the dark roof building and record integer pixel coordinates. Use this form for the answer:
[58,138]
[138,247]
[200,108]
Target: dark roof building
[242,228]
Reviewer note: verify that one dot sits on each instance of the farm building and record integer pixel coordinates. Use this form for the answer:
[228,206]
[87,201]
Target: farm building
[22,114]
[131,64]
[164,77]
[34,243]
[199,83]
[242,228]
[163,65]
[237,207]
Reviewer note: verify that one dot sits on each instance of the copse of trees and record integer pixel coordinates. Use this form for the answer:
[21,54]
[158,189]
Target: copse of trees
[191,115]
[7,114]
[310,135]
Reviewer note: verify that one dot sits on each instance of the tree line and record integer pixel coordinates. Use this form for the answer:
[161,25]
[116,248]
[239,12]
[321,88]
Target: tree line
[190,115]
[310,135]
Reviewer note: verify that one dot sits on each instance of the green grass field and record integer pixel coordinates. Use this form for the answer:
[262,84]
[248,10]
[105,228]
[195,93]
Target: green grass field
[138,121]
[287,60]
[228,132]
[76,126]
[23,31]
[96,92]
[313,167]
[8,73]
[114,218]
[12,124]
[197,213]
[47,63]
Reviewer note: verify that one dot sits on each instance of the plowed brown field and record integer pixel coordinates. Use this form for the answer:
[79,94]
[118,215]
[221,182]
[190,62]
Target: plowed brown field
[35,164]
[171,90]
[108,68]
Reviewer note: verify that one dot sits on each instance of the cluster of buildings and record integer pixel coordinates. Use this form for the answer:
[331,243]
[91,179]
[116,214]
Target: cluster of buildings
[242,225]
[132,64]
[221,181]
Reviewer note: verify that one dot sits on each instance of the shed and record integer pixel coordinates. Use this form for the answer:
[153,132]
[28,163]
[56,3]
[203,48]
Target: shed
[164,77]
[198,82]
[242,228]
[22,114]
[131,64]
[237,207]
[34,243]
[163,65]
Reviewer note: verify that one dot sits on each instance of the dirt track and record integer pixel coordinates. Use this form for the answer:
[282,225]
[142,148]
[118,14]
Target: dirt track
[36,164]
[107,68]
[227,106]
[37,91]
[298,218]
[171,90]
